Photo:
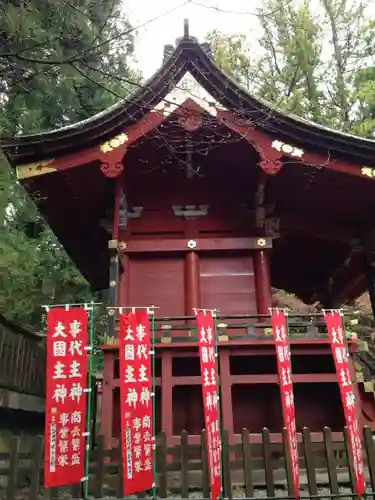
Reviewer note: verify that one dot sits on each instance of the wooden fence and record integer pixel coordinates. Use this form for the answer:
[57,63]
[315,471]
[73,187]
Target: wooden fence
[22,360]
[250,469]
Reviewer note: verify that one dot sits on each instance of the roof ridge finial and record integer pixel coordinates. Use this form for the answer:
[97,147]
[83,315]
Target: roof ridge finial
[186,28]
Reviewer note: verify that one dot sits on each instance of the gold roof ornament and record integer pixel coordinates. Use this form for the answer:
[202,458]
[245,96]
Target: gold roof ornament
[191,244]
[288,149]
[34,169]
[114,143]
[261,242]
[368,172]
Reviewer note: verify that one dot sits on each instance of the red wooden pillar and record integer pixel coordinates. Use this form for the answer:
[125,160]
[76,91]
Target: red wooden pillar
[226,392]
[192,283]
[262,281]
[166,395]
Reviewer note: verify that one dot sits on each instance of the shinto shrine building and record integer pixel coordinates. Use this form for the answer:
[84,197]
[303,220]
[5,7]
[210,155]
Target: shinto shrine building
[192,193]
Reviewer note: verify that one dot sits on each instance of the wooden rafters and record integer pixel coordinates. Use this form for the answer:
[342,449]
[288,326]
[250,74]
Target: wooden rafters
[351,290]
[356,283]
[346,282]
[317,229]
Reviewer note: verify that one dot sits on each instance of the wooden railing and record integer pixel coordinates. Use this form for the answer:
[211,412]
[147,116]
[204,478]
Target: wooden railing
[22,360]
[240,328]
[255,468]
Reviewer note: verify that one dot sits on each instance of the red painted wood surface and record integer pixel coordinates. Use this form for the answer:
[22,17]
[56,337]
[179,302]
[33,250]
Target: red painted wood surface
[192,283]
[227,283]
[157,281]
[157,244]
[262,281]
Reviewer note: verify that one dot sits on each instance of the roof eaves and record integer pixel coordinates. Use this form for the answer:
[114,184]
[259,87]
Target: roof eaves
[109,113]
[276,116]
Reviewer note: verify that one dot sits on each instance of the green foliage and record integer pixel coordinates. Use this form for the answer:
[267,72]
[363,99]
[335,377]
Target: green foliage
[364,93]
[35,275]
[312,60]
[60,62]
[50,54]
[35,270]
[231,55]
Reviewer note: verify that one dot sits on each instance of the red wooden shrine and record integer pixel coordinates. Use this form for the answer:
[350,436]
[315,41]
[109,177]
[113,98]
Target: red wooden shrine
[192,193]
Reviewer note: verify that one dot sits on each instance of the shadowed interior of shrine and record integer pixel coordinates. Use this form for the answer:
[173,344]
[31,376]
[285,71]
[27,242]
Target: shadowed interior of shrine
[254,405]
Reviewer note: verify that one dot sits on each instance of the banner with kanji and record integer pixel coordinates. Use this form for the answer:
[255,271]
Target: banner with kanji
[280,335]
[207,354]
[136,402]
[65,418]
[340,354]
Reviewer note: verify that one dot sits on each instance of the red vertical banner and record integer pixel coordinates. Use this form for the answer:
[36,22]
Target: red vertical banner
[340,354]
[279,328]
[65,419]
[136,402]
[207,354]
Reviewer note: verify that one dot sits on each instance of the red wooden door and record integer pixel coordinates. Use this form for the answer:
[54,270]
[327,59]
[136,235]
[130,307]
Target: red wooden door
[227,283]
[157,281]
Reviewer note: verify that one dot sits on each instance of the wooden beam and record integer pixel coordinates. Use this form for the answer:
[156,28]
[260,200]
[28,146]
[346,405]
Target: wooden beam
[198,245]
[110,151]
[34,170]
[261,341]
[157,380]
[297,222]
[304,351]
[276,149]
[299,350]
[300,378]
[346,282]
[275,437]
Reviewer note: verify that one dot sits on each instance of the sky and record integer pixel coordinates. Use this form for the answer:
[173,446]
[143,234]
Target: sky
[231,17]
[150,39]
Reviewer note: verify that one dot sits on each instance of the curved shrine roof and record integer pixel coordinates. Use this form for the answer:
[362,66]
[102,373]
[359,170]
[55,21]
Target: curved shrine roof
[187,57]
[74,201]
